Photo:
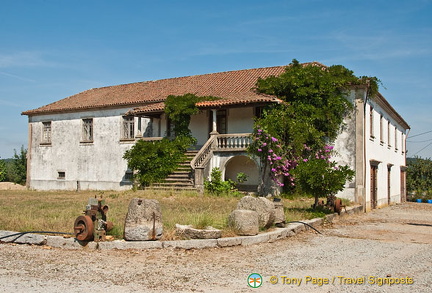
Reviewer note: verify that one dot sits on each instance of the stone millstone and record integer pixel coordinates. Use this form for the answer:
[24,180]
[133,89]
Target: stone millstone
[143,220]
[192,233]
[244,222]
[264,207]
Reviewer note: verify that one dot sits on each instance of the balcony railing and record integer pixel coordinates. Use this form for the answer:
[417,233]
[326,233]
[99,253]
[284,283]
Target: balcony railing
[219,143]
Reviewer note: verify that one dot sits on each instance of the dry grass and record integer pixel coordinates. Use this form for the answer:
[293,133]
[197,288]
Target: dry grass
[24,210]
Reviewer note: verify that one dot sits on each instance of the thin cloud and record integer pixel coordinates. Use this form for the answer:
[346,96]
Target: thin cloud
[16,76]
[23,59]
[9,103]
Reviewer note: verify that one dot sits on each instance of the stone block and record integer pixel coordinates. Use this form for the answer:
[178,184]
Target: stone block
[229,241]
[296,227]
[264,207]
[191,244]
[276,235]
[251,240]
[123,245]
[189,232]
[29,238]
[279,214]
[143,220]
[244,222]
[69,243]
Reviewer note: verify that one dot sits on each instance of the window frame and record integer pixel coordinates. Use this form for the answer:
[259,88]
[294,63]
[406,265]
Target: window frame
[46,133]
[128,128]
[87,130]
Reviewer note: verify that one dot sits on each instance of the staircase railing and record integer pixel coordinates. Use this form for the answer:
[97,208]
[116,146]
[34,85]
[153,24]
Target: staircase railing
[204,154]
[216,143]
[221,142]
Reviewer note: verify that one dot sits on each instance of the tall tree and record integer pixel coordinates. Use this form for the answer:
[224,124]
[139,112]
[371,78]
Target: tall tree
[296,131]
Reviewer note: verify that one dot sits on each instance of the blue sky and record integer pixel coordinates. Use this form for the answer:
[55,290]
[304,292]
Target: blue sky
[52,49]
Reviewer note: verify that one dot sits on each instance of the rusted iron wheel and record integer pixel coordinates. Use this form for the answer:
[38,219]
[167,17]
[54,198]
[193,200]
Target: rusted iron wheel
[109,225]
[83,228]
[338,206]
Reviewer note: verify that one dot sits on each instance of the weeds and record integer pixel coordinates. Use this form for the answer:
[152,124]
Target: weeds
[56,211]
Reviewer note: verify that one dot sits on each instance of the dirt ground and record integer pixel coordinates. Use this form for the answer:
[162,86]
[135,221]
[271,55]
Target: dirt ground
[11,186]
[386,250]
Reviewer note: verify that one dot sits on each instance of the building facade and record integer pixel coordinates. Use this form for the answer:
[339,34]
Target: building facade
[78,142]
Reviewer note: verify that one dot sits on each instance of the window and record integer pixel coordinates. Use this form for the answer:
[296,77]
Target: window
[371,122]
[381,129]
[259,112]
[128,129]
[87,130]
[395,139]
[128,175]
[61,175]
[388,134]
[46,132]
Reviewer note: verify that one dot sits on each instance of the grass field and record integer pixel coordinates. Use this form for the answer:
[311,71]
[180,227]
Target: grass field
[24,210]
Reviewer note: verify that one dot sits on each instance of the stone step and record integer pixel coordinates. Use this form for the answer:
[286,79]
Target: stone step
[171,188]
[180,178]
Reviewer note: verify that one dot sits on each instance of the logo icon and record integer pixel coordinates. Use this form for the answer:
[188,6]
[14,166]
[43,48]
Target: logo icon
[255,280]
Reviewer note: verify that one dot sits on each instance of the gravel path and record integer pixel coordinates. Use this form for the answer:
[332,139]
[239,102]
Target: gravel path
[393,244]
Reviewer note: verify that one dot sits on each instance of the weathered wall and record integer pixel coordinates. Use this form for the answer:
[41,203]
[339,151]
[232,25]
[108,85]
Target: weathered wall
[96,165]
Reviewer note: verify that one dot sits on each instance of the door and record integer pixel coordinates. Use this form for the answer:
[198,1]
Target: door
[388,184]
[403,185]
[374,186]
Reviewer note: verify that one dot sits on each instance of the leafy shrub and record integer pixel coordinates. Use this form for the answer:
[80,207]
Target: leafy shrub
[217,186]
[322,177]
[155,160]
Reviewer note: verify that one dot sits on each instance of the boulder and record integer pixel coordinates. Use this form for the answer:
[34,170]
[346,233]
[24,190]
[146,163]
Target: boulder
[143,220]
[279,214]
[244,222]
[264,207]
[192,233]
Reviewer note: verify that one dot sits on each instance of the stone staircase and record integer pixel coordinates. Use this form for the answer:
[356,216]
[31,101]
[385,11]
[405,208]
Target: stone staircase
[181,178]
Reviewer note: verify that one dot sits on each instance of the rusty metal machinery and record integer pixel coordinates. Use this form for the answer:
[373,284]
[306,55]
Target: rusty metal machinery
[93,225]
[333,203]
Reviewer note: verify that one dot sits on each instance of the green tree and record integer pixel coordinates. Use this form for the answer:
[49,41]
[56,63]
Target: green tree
[320,177]
[419,175]
[180,109]
[2,170]
[310,118]
[16,170]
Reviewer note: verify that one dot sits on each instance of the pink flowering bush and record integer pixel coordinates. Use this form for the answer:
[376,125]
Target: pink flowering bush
[313,171]
[273,157]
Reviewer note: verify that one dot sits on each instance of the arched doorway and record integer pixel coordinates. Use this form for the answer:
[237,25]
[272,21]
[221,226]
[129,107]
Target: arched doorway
[243,164]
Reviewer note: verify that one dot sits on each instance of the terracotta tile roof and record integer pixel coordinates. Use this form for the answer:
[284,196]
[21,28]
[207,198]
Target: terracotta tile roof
[233,87]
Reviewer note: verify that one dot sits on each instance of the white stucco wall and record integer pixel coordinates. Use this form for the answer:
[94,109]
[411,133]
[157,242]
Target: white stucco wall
[383,149]
[199,127]
[96,165]
[240,120]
